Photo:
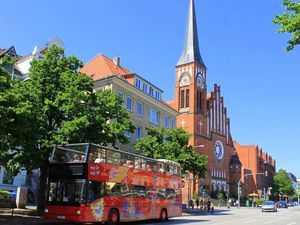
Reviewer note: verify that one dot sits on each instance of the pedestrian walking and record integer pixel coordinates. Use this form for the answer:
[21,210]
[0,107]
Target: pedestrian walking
[208,206]
[197,202]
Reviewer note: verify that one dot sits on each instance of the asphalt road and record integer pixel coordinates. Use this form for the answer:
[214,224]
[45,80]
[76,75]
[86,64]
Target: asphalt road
[248,216]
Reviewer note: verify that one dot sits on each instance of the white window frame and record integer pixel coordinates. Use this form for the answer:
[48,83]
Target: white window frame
[154,116]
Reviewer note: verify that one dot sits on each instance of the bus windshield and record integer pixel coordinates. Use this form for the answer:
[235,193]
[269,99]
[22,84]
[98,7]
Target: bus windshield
[70,154]
[67,192]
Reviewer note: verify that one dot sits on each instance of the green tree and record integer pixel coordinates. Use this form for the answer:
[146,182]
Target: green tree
[64,109]
[172,144]
[282,184]
[290,22]
[15,115]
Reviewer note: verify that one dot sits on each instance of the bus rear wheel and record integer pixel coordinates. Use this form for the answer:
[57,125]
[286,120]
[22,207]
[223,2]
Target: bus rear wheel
[164,215]
[113,217]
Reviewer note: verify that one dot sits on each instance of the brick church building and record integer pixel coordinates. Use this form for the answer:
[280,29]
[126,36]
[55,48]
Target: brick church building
[204,115]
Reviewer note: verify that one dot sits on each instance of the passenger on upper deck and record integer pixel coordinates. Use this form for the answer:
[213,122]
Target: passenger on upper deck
[100,158]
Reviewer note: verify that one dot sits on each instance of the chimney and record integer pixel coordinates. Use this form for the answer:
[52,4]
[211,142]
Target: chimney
[117,61]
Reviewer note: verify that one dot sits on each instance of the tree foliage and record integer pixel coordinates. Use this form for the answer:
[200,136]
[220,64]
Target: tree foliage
[290,22]
[282,184]
[172,144]
[62,108]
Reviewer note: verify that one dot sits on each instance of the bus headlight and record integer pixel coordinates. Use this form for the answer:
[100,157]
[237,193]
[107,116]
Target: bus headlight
[46,210]
[78,212]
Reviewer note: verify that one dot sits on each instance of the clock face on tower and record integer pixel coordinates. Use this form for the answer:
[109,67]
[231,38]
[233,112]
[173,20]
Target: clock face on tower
[200,80]
[185,79]
[219,150]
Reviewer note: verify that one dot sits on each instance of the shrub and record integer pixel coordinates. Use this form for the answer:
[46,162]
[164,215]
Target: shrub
[4,194]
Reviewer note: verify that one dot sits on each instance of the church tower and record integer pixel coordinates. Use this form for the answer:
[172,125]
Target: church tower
[202,114]
[190,86]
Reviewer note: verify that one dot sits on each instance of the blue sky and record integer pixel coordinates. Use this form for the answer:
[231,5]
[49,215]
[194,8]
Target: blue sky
[238,43]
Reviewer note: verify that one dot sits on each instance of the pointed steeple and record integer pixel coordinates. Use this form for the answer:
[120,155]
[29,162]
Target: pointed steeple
[191,52]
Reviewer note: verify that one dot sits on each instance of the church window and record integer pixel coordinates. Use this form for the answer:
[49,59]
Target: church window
[182,99]
[199,100]
[187,96]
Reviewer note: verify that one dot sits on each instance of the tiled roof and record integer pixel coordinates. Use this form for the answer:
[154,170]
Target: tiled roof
[101,66]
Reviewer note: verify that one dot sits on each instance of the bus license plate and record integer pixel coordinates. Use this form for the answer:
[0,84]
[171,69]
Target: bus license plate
[60,217]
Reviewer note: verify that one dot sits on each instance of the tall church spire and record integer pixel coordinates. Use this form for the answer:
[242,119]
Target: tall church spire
[191,52]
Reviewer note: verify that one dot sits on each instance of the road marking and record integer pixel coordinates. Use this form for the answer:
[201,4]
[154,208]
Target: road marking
[292,223]
[250,221]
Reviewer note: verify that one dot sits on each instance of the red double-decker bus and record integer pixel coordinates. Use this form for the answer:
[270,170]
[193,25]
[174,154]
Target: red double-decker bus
[93,183]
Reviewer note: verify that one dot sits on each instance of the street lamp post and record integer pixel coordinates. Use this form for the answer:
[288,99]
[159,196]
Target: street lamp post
[239,184]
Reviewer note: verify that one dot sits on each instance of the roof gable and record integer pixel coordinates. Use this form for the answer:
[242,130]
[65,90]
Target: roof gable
[101,66]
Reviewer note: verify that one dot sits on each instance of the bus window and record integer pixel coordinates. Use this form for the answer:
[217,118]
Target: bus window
[150,165]
[139,191]
[139,163]
[113,157]
[113,189]
[160,167]
[69,192]
[126,190]
[96,189]
[98,155]
[127,160]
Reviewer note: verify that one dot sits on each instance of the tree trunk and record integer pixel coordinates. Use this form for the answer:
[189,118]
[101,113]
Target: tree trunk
[42,188]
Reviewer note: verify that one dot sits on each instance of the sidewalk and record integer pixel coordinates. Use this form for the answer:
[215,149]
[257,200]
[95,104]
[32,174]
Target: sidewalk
[197,212]
[26,216]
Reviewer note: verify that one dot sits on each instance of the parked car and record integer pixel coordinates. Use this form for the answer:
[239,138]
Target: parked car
[295,203]
[282,204]
[269,206]
[289,204]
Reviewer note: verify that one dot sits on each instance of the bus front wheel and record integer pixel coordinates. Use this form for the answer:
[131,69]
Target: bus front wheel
[113,217]
[163,215]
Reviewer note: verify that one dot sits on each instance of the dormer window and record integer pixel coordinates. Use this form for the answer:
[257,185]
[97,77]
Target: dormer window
[138,83]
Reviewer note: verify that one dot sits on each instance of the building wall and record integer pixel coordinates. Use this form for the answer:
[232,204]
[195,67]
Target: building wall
[119,85]
[254,161]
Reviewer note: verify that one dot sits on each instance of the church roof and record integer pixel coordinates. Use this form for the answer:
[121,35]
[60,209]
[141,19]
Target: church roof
[101,66]
[191,52]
